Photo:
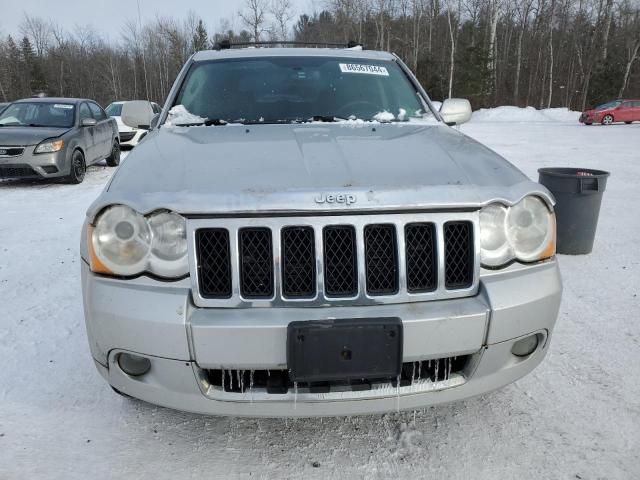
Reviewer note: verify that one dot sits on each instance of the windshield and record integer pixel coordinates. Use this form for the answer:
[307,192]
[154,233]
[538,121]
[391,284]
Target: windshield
[114,110]
[607,106]
[297,89]
[38,114]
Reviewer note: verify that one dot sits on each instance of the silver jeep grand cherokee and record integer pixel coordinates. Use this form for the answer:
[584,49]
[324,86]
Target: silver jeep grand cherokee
[301,234]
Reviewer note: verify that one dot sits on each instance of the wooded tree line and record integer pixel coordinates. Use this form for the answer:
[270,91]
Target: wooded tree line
[572,53]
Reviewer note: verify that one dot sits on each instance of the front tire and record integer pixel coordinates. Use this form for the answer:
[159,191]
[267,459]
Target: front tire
[78,168]
[113,160]
[607,120]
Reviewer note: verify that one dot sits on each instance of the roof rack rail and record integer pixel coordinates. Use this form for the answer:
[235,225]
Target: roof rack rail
[226,44]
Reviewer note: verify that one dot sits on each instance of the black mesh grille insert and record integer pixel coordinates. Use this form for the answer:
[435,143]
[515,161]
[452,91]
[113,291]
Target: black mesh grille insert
[17,171]
[256,262]
[381,259]
[298,262]
[214,262]
[340,261]
[458,250]
[420,246]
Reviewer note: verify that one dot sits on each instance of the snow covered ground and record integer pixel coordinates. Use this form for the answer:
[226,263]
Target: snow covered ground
[576,417]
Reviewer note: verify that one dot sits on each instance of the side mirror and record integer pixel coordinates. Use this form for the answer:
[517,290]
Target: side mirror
[136,113]
[154,121]
[455,111]
[89,122]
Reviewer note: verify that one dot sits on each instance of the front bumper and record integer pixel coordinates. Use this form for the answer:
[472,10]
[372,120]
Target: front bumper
[159,321]
[30,165]
[131,138]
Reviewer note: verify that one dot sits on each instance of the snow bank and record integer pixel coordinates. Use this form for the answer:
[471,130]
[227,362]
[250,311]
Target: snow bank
[528,114]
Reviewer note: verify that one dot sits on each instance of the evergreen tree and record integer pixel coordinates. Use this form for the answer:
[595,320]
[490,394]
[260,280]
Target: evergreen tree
[200,38]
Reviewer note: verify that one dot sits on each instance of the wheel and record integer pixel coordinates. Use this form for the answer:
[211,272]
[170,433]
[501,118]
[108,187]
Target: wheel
[607,120]
[78,168]
[113,160]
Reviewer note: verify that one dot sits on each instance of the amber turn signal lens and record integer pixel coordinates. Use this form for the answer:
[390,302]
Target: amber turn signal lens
[94,262]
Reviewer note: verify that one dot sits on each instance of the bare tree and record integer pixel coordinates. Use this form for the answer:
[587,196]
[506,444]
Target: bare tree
[38,31]
[254,16]
[282,11]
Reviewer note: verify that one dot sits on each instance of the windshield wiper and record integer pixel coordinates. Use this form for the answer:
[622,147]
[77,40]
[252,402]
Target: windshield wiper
[326,118]
[207,123]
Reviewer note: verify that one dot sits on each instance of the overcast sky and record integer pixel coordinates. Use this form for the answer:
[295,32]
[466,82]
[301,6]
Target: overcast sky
[107,16]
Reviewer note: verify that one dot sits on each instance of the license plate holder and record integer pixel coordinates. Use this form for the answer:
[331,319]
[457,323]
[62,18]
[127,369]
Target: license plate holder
[344,349]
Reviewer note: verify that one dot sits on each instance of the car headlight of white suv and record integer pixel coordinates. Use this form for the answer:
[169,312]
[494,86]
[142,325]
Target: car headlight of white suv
[525,232]
[125,243]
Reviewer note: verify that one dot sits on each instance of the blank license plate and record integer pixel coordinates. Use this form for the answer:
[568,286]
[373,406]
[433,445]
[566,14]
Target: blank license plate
[345,349]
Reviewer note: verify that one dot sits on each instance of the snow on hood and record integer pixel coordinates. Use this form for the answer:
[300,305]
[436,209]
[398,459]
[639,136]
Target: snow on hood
[384,116]
[179,115]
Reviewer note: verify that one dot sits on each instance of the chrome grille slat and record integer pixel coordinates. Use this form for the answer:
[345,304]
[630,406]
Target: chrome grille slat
[321,297]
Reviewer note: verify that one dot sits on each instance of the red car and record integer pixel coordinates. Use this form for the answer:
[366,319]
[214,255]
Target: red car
[626,111]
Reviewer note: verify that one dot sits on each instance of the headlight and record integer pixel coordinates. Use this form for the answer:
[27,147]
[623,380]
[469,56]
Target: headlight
[495,249]
[169,246]
[525,231]
[531,229]
[125,243]
[50,146]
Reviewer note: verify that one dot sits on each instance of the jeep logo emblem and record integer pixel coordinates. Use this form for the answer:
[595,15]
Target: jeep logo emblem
[346,198]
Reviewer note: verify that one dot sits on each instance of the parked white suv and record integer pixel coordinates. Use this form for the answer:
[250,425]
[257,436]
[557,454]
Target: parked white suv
[130,136]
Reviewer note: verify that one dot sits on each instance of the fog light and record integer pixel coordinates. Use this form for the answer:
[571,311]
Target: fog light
[526,346]
[133,364]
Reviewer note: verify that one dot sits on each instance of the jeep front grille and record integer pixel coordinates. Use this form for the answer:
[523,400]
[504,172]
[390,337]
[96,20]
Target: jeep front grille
[298,262]
[214,266]
[381,259]
[420,243]
[458,251]
[340,261]
[256,263]
[360,259]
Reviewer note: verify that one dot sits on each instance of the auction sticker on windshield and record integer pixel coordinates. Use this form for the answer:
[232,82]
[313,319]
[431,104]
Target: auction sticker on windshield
[366,69]
[63,105]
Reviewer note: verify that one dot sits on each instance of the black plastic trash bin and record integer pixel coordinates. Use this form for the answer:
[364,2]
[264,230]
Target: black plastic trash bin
[578,193]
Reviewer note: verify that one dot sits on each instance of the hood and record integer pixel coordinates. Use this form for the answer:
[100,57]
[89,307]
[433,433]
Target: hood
[26,136]
[311,167]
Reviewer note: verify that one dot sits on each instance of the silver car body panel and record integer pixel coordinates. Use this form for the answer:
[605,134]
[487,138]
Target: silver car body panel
[284,168]
[235,176]
[182,340]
